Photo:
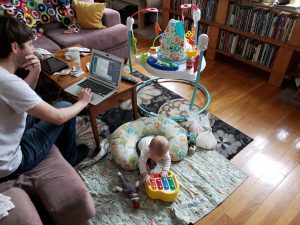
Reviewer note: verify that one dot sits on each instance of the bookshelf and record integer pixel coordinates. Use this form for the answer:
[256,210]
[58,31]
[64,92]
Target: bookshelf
[253,33]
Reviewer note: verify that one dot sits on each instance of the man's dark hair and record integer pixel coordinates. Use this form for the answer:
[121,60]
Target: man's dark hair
[12,30]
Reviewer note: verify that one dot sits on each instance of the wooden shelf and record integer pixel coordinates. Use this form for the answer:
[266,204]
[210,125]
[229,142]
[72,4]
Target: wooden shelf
[256,36]
[266,5]
[242,59]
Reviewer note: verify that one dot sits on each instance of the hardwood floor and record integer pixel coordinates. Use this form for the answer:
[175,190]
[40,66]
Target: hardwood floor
[241,96]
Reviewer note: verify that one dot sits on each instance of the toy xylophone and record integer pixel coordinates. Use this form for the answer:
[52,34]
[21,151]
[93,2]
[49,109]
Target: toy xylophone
[165,189]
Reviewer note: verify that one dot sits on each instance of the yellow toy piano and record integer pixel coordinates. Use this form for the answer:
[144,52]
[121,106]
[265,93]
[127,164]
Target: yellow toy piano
[165,189]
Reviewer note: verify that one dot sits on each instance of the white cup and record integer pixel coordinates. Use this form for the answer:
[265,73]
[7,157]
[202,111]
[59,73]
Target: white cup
[75,57]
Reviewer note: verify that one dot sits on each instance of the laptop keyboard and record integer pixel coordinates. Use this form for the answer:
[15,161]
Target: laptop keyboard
[96,87]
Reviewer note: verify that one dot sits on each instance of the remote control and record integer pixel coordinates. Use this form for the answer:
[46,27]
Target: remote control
[129,79]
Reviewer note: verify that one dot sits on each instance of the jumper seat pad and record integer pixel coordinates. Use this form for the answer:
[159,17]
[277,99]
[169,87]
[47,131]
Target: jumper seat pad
[123,140]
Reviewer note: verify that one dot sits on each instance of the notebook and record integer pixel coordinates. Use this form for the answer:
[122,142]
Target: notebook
[104,77]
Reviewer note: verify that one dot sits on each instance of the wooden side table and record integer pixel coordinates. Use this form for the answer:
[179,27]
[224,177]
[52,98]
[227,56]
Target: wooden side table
[127,91]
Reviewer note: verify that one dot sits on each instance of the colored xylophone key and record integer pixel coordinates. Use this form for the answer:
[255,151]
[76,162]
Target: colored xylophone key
[153,184]
[171,183]
[165,183]
[159,184]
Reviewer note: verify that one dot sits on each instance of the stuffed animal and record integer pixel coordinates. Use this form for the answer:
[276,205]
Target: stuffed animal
[131,189]
[201,132]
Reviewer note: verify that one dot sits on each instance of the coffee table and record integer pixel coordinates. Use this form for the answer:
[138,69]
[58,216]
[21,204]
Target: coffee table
[126,91]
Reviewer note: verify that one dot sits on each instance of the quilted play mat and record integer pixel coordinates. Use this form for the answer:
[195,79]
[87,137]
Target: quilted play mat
[206,179]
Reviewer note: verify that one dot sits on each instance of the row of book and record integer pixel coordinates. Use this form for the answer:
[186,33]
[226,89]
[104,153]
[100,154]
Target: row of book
[208,7]
[248,48]
[202,28]
[262,21]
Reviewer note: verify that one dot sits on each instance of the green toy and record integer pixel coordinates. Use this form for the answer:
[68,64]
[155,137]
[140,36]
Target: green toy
[134,42]
[144,57]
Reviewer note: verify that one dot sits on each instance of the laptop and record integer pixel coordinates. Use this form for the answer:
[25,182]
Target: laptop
[104,77]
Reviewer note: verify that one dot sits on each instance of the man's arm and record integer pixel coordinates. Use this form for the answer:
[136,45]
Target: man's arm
[58,116]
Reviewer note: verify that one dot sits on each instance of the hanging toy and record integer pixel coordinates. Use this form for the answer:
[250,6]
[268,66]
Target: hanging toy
[153,48]
[157,27]
[196,63]
[134,42]
[190,36]
[196,18]
[131,38]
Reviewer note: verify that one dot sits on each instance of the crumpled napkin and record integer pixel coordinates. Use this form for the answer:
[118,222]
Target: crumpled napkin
[5,205]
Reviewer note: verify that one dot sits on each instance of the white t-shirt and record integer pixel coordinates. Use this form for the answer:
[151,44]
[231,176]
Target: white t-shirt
[16,97]
[143,146]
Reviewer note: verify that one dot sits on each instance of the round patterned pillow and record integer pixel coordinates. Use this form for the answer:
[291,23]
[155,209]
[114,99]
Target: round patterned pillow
[124,139]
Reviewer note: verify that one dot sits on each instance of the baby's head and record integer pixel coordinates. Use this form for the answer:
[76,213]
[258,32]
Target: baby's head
[159,146]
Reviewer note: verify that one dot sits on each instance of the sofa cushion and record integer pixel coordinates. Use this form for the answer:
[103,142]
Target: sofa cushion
[45,43]
[100,39]
[24,212]
[111,17]
[20,14]
[37,12]
[89,15]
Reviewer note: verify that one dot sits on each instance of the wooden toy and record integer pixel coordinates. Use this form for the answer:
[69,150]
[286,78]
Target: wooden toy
[165,189]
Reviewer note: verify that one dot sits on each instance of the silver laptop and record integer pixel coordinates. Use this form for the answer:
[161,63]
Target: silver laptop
[104,77]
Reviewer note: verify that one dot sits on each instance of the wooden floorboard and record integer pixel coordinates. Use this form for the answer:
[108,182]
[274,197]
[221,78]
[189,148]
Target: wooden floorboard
[242,97]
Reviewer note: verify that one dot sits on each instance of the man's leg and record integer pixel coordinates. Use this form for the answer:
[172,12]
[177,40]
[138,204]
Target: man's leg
[39,137]
[66,141]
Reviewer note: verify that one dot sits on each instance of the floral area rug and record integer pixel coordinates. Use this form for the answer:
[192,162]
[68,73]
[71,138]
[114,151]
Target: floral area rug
[206,179]
[158,99]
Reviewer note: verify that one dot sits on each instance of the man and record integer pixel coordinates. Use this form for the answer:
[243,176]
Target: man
[29,125]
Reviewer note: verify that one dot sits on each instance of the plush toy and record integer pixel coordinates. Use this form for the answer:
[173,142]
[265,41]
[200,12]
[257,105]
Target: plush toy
[201,133]
[131,189]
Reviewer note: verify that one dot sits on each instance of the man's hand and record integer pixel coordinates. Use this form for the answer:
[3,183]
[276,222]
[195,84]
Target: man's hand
[85,95]
[164,174]
[32,64]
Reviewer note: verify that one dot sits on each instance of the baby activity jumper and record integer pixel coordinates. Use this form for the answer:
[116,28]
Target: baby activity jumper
[179,56]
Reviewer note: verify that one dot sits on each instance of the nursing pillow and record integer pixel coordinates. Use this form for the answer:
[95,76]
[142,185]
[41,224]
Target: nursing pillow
[123,140]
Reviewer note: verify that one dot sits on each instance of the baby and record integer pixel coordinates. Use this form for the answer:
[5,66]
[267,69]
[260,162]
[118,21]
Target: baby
[155,148]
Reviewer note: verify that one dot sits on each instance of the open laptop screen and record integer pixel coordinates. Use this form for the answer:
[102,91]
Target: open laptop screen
[106,68]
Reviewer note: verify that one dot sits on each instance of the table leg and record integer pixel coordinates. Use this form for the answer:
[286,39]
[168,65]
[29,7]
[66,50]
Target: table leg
[94,128]
[134,103]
